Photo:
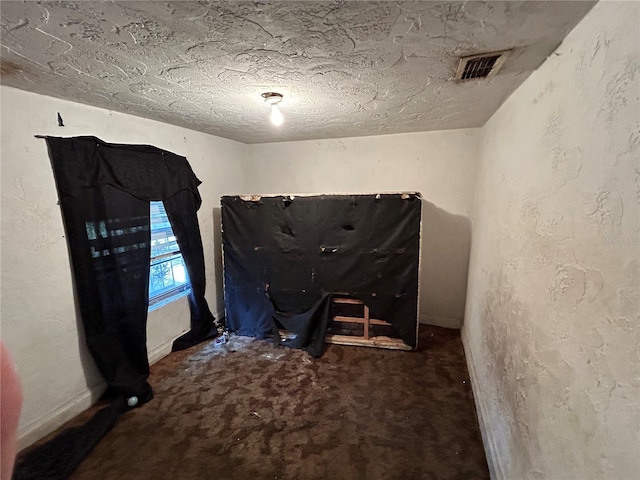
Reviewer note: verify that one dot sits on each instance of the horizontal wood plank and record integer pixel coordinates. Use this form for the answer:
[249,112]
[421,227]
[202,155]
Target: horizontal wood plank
[379,342]
[372,321]
[351,301]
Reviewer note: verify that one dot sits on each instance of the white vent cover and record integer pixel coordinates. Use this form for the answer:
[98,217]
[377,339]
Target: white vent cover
[483,65]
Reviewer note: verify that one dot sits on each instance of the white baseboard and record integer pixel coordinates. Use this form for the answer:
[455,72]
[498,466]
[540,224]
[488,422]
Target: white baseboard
[162,350]
[445,322]
[49,422]
[496,469]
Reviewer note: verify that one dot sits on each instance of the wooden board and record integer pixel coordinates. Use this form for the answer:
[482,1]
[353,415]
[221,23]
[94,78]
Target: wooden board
[366,340]
[379,342]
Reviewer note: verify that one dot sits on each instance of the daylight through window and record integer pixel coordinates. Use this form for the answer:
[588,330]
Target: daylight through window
[168,277]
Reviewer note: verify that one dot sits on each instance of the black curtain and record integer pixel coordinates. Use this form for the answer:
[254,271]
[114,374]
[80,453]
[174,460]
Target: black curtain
[111,280]
[104,192]
[181,209]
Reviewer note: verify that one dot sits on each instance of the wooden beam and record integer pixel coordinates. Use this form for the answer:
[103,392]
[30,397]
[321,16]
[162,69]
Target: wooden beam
[340,318]
[375,321]
[383,342]
[366,322]
[351,301]
[372,321]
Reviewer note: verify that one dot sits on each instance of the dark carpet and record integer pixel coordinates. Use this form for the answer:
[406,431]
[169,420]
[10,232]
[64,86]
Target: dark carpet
[251,410]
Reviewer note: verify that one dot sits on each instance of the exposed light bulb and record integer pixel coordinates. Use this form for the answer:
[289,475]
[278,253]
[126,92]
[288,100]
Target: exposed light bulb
[272,99]
[276,115]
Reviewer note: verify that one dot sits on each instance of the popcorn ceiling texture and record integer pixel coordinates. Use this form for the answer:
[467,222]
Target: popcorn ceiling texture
[552,319]
[345,68]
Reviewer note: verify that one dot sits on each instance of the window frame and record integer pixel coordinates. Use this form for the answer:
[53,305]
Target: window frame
[158,300]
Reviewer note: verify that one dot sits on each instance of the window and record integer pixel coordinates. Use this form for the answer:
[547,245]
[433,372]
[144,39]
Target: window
[168,279]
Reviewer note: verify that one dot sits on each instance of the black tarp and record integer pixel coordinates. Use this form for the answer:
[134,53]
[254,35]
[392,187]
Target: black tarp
[104,192]
[306,329]
[288,252]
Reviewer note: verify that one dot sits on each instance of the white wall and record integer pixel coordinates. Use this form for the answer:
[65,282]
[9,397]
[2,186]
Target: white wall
[39,324]
[552,320]
[440,165]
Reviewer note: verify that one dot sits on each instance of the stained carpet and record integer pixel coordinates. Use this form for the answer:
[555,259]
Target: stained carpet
[251,410]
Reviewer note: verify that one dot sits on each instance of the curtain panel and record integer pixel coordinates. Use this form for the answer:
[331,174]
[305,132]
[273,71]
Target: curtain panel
[104,191]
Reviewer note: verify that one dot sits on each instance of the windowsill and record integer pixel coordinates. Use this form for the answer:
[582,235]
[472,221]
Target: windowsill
[165,301]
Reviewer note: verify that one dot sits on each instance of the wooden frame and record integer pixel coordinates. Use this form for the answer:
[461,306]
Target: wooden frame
[366,340]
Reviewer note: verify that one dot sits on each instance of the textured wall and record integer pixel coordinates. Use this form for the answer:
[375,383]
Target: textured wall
[39,323]
[551,325]
[440,165]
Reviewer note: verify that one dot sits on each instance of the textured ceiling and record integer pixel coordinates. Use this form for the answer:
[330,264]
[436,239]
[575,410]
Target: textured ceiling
[344,68]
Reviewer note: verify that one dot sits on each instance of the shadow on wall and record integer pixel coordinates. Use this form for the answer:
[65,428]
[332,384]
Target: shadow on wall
[217,258]
[446,243]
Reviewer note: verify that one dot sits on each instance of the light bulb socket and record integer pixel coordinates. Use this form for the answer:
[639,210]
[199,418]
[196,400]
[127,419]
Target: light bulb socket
[272,98]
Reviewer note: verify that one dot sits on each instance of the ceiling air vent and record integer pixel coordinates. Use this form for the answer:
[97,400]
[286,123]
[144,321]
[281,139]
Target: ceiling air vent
[484,65]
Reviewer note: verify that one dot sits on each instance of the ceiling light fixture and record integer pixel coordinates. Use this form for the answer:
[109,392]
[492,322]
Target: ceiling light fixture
[273,99]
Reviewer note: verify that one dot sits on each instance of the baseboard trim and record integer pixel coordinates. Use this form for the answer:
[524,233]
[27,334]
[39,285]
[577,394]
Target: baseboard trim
[496,468]
[49,422]
[162,350]
[445,322]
